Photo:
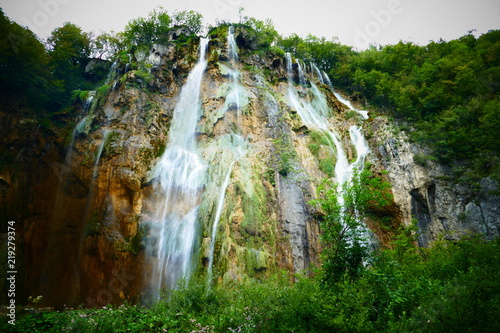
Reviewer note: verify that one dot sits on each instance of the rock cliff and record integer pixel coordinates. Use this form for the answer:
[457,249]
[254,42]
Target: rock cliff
[85,197]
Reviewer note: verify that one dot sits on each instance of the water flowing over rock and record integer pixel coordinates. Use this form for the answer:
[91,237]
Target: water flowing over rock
[201,159]
[178,175]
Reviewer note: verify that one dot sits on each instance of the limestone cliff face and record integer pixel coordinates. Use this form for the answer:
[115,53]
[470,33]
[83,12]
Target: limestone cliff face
[88,228]
[424,191]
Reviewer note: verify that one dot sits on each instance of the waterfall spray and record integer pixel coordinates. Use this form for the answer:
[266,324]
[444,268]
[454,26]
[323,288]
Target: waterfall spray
[178,175]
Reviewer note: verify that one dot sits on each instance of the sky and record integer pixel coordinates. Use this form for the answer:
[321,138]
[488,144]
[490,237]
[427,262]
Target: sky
[358,23]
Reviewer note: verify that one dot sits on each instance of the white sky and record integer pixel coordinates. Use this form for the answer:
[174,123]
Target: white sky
[355,22]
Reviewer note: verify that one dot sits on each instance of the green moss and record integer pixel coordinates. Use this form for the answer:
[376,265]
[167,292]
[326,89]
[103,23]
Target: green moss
[423,159]
[100,95]
[319,138]
[79,95]
[255,261]
[277,51]
[137,241]
[313,148]
[270,176]
[160,149]
[143,74]
[352,114]
[94,223]
[327,165]
[286,155]
[110,147]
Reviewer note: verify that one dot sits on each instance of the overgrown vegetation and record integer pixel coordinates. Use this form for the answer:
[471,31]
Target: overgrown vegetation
[45,76]
[447,92]
[450,287]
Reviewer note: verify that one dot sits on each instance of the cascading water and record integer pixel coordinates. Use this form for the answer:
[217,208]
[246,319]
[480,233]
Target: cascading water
[302,77]
[233,97]
[237,148]
[342,100]
[98,156]
[79,128]
[315,115]
[318,72]
[179,176]
[238,151]
[231,44]
[88,101]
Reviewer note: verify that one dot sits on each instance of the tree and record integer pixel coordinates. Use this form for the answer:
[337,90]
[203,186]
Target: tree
[343,233]
[106,45]
[69,45]
[146,31]
[264,29]
[190,19]
[23,64]
[69,50]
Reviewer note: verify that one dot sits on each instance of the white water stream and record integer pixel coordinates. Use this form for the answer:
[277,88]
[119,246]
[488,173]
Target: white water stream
[179,174]
[315,114]
[238,151]
[237,147]
[342,100]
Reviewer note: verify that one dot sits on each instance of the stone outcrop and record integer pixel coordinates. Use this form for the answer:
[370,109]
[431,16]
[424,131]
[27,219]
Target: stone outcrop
[426,194]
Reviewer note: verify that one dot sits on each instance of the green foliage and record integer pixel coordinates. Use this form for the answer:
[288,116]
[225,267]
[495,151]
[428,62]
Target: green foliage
[264,30]
[318,137]
[422,159]
[286,156]
[106,45]
[190,19]
[146,31]
[447,91]
[69,50]
[327,165]
[328,55]
[342,228]
[154,28]
[24,70]
[313,148]
[451,287]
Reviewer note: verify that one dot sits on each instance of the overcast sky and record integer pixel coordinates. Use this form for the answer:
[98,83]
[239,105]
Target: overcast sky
[355,22]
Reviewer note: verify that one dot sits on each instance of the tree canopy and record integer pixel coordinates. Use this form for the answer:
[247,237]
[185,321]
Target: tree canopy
[447,92]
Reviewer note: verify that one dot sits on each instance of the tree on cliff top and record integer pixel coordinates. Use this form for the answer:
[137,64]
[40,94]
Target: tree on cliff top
[23,64]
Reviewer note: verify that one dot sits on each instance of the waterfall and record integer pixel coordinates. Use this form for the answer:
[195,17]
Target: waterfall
[238,153]
[233,97]
[179,174]
[302,77]
[318,72]
[127,66]
[342,100]
[114,72]
[360,144]
[98,156]
[237,147]
[79,128]
[90,192]
[315,115]
[88,101]
[232,48]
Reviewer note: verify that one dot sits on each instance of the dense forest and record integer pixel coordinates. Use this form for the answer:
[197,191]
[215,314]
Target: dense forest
[445,95]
